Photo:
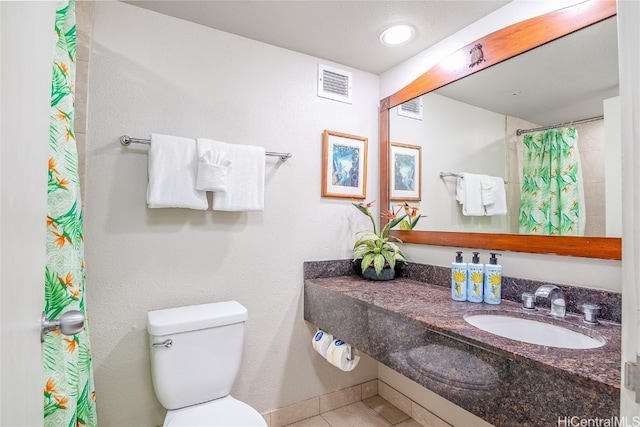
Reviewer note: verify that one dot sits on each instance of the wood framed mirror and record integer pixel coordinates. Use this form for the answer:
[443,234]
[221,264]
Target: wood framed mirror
[497,47]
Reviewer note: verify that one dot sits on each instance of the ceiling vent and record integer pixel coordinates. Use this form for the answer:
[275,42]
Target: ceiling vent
[411,108]
[334,84]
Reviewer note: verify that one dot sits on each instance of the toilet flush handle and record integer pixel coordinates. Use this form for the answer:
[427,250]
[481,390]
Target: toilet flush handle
[166,343]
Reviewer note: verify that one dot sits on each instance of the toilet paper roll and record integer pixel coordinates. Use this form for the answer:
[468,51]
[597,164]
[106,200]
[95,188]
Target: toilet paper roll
[339,355]
[321,341]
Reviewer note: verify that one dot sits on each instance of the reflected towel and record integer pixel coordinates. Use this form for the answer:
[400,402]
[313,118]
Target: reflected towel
[245,186]
[172,174]
[494,196]
[469,194]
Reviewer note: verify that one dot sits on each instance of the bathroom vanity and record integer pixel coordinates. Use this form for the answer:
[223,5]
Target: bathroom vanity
[413,326]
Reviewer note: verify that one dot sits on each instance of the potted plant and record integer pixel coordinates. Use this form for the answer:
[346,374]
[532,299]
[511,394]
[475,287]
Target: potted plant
[377,251]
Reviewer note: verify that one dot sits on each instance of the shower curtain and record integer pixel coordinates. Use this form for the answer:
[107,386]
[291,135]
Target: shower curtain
[551,200]
[69,398]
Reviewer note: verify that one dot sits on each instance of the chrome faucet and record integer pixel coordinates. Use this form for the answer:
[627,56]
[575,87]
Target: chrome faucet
[556,297]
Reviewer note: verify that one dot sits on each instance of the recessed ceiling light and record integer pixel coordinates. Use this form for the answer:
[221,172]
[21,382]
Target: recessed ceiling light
[396,35]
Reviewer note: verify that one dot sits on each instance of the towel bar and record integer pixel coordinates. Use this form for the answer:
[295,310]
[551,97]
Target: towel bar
[126,140]
[457,175]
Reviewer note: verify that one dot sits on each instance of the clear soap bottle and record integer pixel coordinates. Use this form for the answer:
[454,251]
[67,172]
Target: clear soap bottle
[459,278]
[493,281]
[475,277]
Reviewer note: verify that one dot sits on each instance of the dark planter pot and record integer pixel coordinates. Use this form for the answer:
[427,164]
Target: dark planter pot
[385,274]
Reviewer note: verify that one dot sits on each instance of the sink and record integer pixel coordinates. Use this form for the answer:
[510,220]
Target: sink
[533,331]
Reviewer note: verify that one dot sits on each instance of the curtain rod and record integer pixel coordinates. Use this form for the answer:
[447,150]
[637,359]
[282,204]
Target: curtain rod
[127,140]
[559,125]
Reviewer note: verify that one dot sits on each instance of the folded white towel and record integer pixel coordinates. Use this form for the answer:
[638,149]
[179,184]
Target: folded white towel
[489,188]
[172,174]
[213,166]
[469,194]
[494,195]
[245,185]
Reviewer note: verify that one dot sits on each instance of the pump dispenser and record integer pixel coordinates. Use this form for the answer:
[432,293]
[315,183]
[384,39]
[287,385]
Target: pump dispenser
[475,276]
[493,281]
[459,278]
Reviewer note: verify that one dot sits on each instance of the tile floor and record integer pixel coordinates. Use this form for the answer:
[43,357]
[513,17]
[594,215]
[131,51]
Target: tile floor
[371,412]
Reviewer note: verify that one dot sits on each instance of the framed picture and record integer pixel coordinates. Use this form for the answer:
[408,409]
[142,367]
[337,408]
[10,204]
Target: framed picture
[344,165]
[406,172]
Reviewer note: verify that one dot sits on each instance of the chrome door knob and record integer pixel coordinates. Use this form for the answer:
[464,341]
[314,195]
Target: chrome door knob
[70,323]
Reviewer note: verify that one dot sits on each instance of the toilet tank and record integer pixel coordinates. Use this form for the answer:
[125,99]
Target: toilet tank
[195,351]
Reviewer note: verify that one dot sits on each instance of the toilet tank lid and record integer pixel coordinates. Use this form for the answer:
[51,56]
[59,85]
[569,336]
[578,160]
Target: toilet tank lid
[194,317]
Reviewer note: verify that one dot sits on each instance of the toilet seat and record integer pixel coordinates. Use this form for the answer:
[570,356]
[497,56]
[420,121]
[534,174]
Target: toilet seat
[223,412]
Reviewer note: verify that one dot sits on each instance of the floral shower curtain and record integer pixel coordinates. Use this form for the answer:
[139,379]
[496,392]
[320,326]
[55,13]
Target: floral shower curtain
[69,398]
[550,203]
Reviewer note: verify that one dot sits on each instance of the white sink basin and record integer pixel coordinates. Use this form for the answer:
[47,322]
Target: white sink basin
[532,331]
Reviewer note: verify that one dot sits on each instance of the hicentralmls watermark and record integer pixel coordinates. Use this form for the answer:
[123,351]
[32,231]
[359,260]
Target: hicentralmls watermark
[576,421]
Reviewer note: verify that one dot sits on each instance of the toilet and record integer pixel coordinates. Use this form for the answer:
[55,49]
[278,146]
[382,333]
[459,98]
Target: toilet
[195,356]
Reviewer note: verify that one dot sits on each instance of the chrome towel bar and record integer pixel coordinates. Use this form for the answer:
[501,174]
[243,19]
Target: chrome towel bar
[126,140]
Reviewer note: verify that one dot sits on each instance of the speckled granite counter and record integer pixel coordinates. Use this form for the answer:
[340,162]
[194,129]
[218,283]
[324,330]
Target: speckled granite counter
[416,329]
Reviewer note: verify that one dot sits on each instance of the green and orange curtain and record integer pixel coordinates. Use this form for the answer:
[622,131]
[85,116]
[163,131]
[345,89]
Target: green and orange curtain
[69,393]
[551,200]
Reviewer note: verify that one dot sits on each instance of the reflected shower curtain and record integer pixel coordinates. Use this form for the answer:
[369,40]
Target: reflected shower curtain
[69,398]
[550,203]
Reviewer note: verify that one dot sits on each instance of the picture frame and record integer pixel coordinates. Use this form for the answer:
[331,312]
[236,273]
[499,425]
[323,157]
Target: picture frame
[406,172]
[344,165]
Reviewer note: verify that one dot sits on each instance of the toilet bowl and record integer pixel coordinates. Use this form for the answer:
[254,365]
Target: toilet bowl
[195,357]
[223,412]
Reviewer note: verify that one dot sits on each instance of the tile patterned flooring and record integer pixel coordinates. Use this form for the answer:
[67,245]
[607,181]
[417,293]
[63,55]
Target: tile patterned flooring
[371,412]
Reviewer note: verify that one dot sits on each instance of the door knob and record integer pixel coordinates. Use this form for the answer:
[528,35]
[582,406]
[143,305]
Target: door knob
[70,323]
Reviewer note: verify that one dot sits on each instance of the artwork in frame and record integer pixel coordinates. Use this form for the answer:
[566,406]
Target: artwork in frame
[406,172]
[344,165]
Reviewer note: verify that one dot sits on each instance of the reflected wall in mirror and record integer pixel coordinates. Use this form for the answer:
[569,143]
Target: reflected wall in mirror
[470,126]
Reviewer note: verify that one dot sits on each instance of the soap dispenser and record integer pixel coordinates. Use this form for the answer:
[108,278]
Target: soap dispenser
[475,276]
[459,278]
[493,281]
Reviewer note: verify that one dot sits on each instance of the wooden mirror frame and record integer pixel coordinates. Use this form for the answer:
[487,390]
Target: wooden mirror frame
[497,47]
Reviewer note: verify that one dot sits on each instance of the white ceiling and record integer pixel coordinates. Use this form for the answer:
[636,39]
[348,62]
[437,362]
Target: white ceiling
[345,32]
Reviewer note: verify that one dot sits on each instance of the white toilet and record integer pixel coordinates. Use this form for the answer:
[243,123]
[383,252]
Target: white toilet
[195,357]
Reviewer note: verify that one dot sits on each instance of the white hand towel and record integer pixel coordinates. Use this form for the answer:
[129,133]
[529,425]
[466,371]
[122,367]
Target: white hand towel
[497,195]
[172,174]
[245,186]
[213,166]
[489,188]
[469,194]
[338,355]
[321,341]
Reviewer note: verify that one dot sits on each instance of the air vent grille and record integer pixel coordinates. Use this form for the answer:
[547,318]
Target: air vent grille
[334,84]
[411,108]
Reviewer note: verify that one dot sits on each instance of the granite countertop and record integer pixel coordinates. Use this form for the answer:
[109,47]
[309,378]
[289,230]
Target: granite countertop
[432,306]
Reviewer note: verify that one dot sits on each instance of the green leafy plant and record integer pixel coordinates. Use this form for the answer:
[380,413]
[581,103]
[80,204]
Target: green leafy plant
[378,249]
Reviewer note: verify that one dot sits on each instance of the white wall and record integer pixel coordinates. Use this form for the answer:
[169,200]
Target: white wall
[151,73]
[613,171]
[456,137]
[628,33]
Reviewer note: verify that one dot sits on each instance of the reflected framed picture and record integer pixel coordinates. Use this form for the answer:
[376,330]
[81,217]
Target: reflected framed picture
[406,172]
[344,165]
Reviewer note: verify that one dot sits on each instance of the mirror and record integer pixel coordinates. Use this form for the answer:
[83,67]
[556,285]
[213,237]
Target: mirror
[485,109]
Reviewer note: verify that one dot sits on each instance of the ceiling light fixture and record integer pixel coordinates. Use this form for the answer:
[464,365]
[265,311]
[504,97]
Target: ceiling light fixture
[397,35]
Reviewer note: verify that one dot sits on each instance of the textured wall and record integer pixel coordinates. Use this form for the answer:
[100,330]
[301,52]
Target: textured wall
[150,73]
